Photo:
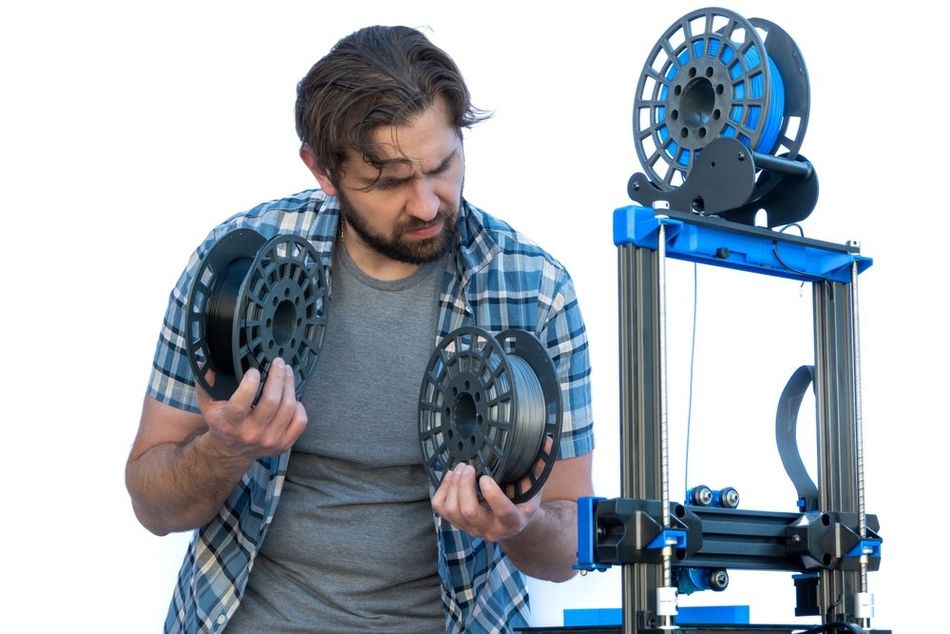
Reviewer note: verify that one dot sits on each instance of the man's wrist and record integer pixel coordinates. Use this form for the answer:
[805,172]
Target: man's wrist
[215,451]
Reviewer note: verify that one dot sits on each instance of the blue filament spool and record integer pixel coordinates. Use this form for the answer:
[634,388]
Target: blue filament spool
[712,75]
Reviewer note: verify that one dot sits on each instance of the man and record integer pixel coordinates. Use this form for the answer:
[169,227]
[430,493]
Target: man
[352,545]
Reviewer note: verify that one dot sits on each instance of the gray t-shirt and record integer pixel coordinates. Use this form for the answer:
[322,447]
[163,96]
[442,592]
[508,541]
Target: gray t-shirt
[353,546]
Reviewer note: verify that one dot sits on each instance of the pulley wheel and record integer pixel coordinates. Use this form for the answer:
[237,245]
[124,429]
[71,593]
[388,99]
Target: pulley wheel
[491,409]
[253,301]
[708,76]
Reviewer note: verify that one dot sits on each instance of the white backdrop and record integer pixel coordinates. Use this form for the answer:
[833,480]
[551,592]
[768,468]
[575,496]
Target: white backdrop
[128,129]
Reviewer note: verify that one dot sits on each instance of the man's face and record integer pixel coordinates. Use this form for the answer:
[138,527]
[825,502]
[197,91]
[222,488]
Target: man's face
[409,211]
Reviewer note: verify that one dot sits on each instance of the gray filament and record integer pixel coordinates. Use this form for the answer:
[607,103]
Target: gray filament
[527,430]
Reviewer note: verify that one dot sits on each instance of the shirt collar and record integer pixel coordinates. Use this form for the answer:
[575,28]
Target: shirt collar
[475,247]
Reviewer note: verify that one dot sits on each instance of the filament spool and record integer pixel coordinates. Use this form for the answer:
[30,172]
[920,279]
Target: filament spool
[491,409]
[253,300]
[715,74]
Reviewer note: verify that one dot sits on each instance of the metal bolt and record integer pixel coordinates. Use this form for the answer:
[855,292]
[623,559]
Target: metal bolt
[702,496]
[730,498]
[741,156]
[718,580]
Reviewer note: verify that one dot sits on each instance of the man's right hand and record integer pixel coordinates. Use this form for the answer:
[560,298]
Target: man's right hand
[183,465]
[237,428]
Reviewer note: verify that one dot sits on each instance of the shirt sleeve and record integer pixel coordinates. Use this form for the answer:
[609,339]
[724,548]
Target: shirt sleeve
[565,336]
[172,381]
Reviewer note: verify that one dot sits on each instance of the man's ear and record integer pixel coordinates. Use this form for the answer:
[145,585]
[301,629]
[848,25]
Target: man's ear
[310,160]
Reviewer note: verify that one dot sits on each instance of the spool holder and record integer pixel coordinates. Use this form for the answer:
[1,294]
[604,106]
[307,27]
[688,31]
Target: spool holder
[469,407]
[253,300]
[695,93]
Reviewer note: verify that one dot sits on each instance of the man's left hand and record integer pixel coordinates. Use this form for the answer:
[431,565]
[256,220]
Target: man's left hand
[495,517]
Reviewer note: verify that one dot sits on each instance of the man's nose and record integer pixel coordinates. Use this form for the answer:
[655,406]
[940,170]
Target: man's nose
[423,203]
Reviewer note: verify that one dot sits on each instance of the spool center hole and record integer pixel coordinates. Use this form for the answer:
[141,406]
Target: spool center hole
[463,417]
[698,102]
[284,320]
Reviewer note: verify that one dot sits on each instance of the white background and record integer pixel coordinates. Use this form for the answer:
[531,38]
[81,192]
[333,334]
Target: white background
[127,130]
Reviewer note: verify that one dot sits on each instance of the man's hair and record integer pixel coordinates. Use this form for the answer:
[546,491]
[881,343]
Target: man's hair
[377,76]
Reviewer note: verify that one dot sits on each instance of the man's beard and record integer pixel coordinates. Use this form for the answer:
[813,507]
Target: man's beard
[397,246]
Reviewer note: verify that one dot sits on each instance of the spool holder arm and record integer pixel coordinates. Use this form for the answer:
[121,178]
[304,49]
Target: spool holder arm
[799,169]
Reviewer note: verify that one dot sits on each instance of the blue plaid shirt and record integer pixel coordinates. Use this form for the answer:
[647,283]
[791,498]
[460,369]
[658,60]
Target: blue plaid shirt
[496,280]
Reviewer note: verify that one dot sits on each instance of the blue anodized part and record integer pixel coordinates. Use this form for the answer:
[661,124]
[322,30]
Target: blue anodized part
[674,537]
[756,250]
[586,533]
[866,546]
[690,580]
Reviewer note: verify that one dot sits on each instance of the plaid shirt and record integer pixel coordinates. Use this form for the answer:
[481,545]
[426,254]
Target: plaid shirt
[495,280]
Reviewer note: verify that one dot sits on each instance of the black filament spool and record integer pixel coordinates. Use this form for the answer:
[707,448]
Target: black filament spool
[253,300]
[476,405]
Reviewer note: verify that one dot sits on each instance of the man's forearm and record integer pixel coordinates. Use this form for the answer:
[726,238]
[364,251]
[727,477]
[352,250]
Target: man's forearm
[176,487]
[547,547]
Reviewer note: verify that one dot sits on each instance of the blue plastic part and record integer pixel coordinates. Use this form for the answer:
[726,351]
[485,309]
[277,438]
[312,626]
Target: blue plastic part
[756,250]
[593,616]
[668,537]
[690,580]
[707,615]
[713,615]
[869,547]
[585,535]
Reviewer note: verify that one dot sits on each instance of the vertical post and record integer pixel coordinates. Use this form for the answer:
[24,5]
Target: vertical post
[835,405]
[863,601]
[639,432]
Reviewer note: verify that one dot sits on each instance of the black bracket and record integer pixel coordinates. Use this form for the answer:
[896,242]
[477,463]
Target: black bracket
[731,538]
[732,182]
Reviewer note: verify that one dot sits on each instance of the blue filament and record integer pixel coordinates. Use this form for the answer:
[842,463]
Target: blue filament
[745,88]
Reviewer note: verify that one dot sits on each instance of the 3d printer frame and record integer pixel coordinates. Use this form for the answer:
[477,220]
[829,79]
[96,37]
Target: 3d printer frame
[835,544]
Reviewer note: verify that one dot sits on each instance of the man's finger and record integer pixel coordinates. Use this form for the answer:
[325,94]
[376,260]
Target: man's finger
[496,499]
[272,393]
[449,490]
[288,402]
[469,505]
[297,424]
[279,424]
[239,405]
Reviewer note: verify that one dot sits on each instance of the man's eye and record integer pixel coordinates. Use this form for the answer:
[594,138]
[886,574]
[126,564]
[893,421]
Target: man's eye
[387,183]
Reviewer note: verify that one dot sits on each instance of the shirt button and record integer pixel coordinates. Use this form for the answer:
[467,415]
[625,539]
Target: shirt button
[222,619]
